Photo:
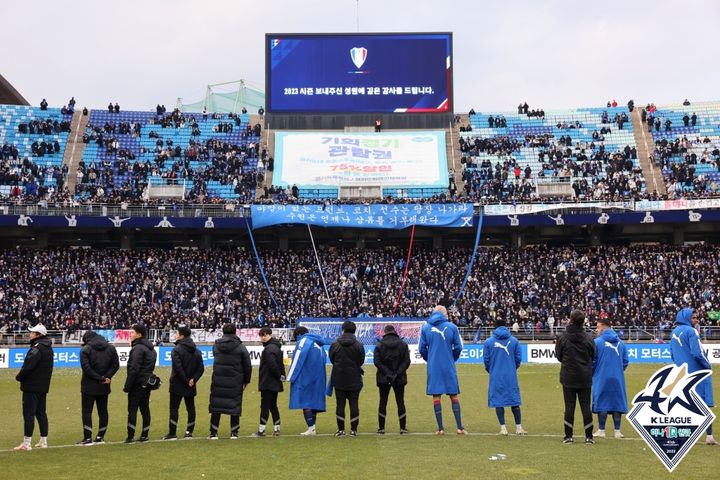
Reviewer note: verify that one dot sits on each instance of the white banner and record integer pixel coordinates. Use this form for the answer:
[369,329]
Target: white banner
[4,357]
[659,205]
[541,353]
[329,159]
[124,354]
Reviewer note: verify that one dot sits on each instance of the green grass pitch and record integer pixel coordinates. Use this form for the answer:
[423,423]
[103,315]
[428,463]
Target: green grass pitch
[417,456]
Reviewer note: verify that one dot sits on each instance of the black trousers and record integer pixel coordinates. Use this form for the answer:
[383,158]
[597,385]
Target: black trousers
[175,401]
[34,406]
[268,406]
[88,402]
[399,399]
[215,423]
[352,397]
[583,396]
[138,398]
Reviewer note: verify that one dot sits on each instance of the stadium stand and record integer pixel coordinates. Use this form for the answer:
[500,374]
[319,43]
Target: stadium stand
[214,156]
[32,145]
[688,148]
[505,155]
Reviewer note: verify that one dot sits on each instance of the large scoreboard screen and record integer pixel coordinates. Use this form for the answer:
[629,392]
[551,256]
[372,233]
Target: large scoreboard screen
[353,73]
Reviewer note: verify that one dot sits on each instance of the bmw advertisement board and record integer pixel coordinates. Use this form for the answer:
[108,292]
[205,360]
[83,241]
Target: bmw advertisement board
[354,73]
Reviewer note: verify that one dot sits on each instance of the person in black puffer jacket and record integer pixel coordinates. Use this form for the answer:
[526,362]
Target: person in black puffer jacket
[140,367]
[231,375]
[575,351]
[34,378]
[347,356]
[187,368]
[99,362]
[392,359]
[272,374]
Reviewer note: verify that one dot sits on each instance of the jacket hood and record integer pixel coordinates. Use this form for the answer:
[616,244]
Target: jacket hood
[187,343]
[143,341]
[228,343]
[346,339]
[501,333]
[313,337]
[610,335]
[391,340]
[684,317]
[98,342]
[437,318]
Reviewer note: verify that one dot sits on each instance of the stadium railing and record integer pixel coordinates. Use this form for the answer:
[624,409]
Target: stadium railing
[469,335]
[109,210]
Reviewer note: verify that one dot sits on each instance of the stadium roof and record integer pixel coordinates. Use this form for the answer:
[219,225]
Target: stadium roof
[8,94]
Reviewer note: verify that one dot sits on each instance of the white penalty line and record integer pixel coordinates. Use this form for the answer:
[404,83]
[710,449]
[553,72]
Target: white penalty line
[369,434]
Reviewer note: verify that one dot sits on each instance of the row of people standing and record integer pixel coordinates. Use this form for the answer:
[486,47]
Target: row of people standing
[590,370]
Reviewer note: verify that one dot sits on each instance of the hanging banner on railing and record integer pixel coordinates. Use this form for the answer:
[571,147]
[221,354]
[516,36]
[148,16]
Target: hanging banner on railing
[529,208]
[245,334]
[455,215]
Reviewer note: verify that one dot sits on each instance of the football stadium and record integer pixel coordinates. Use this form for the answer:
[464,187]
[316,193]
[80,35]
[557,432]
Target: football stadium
[413,240]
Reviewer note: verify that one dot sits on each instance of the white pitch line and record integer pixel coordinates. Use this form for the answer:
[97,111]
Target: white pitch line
[417,434]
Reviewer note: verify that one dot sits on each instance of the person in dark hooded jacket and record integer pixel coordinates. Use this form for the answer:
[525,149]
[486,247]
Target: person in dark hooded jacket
[34,378]
[392,359]
[232,371]
[187,368]
[347,356]
[272,374]
[140,367]
[99,362]
[575,351]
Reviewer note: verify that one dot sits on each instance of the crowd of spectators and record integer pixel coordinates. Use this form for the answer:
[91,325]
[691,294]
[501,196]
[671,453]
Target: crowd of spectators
[639,286]
[597,173]
[119,177]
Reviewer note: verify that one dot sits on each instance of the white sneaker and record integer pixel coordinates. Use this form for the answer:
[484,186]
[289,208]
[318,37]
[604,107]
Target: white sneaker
[41,444]
[503,430]
[599,433]
[520,431]
[618,434]
[309,431]
[709,440]
[23,447]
